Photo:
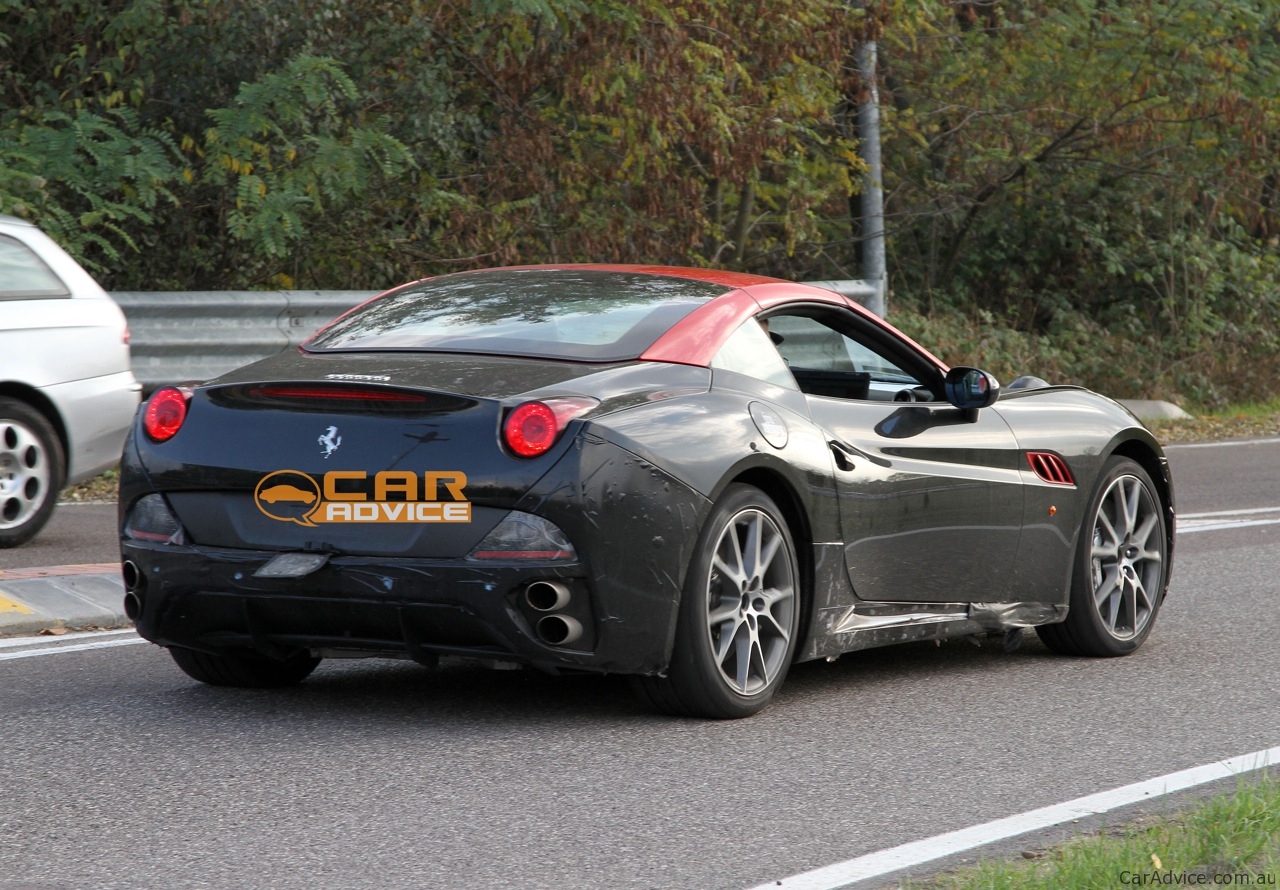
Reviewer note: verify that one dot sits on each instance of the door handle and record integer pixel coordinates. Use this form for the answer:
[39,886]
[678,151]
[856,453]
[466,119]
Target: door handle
[843,454]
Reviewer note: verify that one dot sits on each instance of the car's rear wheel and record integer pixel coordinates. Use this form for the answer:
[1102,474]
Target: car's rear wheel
[248,671]
[31,471]
[739,614]
[1122,564]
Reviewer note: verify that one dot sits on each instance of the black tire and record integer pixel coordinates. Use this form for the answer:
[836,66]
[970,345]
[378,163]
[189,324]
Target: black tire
[246,671]
[1121,567]
[739,620]
[31,471]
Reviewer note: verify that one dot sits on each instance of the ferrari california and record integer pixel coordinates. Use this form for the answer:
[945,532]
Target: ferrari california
[692,477]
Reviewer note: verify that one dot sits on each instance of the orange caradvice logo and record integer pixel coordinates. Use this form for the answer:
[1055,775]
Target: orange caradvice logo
[286,492]
[355,496]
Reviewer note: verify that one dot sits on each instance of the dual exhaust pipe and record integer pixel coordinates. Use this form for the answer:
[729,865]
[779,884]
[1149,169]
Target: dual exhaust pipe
[133,584]
[549,597]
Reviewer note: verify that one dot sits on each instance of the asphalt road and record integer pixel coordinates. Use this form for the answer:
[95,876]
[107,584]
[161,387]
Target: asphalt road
[76,535]
[117,771]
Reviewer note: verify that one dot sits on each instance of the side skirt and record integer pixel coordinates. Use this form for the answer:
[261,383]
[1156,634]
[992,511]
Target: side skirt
[867,625]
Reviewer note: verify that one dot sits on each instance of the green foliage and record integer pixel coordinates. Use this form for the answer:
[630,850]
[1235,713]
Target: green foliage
[88,178]
[651,133]
[1112,166]
[287,150]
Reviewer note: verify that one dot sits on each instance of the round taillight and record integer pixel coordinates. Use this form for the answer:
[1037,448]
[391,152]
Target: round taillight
[531,429]
[166,410]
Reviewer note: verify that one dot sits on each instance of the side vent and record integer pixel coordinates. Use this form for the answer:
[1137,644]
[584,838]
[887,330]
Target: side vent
[1050,467]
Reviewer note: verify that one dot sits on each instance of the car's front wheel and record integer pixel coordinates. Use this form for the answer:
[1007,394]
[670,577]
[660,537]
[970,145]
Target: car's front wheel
[739,614]
[1121,567]
[30,471]
[248,671]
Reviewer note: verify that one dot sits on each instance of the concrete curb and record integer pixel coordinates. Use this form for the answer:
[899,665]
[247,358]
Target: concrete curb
[35,600]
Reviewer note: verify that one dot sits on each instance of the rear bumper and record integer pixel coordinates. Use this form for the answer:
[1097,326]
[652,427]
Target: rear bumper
[633,526]
[208,599]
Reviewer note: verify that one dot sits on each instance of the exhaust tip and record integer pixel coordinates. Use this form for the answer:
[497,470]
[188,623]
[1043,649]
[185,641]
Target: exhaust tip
[132,606]
[546,596]
[559,630]
[131,574]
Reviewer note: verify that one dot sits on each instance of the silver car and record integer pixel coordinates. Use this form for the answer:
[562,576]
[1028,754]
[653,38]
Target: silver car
[67,393]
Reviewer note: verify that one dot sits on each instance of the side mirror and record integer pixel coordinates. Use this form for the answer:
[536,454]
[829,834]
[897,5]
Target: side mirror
[970,389]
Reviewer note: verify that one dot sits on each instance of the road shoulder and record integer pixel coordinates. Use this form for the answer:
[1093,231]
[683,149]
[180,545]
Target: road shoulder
[74,596]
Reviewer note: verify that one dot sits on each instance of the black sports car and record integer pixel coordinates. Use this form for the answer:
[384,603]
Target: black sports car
[689,476]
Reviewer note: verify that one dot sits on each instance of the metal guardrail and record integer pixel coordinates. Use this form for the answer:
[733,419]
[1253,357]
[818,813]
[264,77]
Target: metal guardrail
[199,335]
[853,288]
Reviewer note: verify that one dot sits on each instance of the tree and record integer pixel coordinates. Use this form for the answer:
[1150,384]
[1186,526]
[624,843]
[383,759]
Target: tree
[1114,160]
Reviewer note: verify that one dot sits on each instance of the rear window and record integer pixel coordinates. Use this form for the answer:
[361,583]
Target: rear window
[25,275]
[553,313]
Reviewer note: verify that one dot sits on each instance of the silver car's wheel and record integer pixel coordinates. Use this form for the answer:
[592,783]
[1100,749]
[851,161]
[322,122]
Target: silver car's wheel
[30,472]
[1121,569]
[739,618]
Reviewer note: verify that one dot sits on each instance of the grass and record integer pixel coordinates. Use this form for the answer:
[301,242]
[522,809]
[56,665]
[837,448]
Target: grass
[1232,840]
[1238,422]
[99,489]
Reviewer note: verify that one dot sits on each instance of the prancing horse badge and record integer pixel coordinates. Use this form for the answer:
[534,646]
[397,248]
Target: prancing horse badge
[330,441]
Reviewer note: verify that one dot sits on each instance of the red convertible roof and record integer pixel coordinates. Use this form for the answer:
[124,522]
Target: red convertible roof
[683,320]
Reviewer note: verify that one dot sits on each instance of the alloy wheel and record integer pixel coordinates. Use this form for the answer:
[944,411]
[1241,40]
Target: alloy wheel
[1127,558]
[751,596]
[25,473]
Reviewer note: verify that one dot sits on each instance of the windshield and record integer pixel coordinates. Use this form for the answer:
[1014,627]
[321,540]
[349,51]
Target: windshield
[554,313]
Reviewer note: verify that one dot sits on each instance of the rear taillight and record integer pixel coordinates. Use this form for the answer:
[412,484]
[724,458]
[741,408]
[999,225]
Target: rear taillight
[533,427]
[166,411]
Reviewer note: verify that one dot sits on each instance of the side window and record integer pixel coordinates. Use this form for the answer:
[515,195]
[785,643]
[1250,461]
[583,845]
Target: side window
[827,362]
[749,351]
[808,343]
[23,274]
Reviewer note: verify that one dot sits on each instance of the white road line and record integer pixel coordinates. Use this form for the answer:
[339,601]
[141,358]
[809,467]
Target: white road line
[1193,528]
[48,639]
[1216,513]
[884,862]
[75,647]
[1189,523]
